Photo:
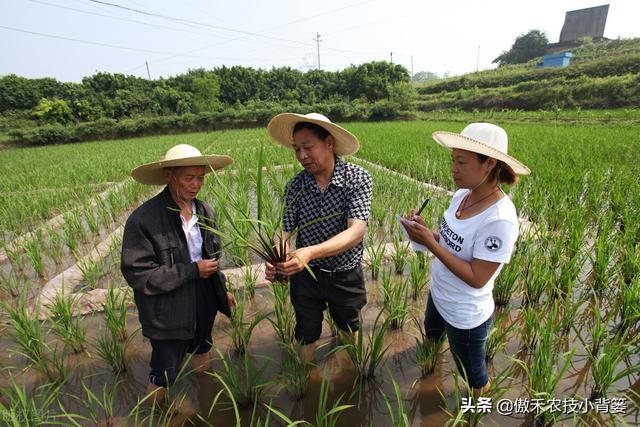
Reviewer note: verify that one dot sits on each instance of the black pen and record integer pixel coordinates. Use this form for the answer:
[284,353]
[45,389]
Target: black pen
[424,204]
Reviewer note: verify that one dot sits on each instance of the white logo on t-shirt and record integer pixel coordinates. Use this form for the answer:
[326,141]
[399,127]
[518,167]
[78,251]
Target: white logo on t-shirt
[493,243]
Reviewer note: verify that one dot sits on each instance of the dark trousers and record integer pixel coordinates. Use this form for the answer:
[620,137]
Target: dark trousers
[167,356]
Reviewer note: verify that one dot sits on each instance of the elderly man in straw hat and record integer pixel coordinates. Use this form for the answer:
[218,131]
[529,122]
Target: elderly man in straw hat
[171,264]
[332,248]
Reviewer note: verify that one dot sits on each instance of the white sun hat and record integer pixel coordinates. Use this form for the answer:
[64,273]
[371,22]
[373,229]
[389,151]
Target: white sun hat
[178,155]
[280,128]
[482,138]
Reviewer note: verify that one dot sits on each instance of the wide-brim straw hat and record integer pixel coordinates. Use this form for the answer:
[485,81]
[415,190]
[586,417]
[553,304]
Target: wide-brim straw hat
[482,138]
[280,128]
[178,155]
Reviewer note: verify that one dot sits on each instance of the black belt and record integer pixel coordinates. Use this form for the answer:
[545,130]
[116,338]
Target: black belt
[334,272]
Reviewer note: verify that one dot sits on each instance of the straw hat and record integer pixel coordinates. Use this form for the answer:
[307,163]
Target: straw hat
[178,155]
[482,138]
[281,130]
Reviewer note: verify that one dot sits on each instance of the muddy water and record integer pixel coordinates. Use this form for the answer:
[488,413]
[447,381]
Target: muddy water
[422,398]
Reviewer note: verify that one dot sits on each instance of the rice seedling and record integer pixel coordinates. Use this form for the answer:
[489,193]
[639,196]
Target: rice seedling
[241,329]
[605,365]
[74,227]
[400,254]
[283,324]
[602,260]
[531,322]
[399,416]
[546,367]
[53,245]
[111,351]
[368,355]
[333,327]
[628,306]
[294,371]
[91,220]
[428,351]
[34,252]
[15,257]
[245,382]
[375,250]
[249,277]
[396,300]
[101,409]
[115,312]
[103,211]
[417,277]
[68,328]
[92,270]
[497,337]
[506,283]
[269,241]
[325,416]
[19,408]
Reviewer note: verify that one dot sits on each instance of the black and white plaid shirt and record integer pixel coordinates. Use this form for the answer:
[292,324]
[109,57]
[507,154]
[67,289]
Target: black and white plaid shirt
[348,193]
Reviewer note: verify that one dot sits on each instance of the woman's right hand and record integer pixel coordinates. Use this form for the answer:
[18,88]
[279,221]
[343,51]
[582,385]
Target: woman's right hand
[413,217]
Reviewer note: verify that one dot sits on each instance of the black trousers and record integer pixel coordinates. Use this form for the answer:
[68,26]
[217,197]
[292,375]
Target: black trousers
[167,356]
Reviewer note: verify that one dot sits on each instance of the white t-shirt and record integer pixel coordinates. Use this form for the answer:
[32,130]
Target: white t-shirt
[490,236]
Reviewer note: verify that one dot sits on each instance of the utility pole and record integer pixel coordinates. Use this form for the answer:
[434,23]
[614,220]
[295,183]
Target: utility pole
[318,46]
[478,60]
[148,73]
[411,67]
[392,57]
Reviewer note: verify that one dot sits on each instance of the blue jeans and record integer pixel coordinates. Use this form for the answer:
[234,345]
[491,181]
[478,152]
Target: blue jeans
[468,346]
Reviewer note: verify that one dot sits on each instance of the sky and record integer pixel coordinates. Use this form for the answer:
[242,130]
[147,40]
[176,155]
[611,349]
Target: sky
[70,39]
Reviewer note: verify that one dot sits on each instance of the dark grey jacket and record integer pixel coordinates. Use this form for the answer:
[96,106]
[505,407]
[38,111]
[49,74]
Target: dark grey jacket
[156,264]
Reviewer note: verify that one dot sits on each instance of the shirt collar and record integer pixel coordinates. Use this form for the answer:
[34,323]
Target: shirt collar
[337,178]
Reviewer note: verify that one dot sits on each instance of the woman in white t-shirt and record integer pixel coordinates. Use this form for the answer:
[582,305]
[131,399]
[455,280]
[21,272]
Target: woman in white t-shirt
[475,238]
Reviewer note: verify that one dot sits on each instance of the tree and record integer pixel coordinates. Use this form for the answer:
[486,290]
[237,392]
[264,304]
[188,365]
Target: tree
[424,76]
[527,46]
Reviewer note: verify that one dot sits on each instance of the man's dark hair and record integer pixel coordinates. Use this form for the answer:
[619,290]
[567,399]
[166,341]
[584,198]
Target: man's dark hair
[317,130]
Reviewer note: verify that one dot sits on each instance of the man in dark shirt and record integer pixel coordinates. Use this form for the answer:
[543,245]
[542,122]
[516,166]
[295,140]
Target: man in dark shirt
[327,187]
[171,264]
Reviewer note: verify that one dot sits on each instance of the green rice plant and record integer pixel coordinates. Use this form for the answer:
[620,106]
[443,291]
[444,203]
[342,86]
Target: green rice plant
[115,312]
[249,277]
[531,323]
[605,365]
[333,327]
[118,199]
[628,306]
[53,244]
[417,277]
[13,285]
[283,324]
[19,408]
[400,254]
[536,283]
[367,353]
[295,371]
[90,219]
[603,259]
[34,252]
[101,409]
[266,238]
[546,367]
[399,415]
[111,351]
[246,383]
[428,351]
[497,337]
[74,228]
[28,334]
[15,256]
[506,282]
[325,416]
[375,250]
[64,324]
[396,300]
[92,270]
[241,329]
[103,211]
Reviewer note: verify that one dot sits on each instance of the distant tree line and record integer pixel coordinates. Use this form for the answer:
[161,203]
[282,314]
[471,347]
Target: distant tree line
[118,96]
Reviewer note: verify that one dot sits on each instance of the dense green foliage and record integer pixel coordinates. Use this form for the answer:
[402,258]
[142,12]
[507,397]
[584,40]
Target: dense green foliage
[526,47]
